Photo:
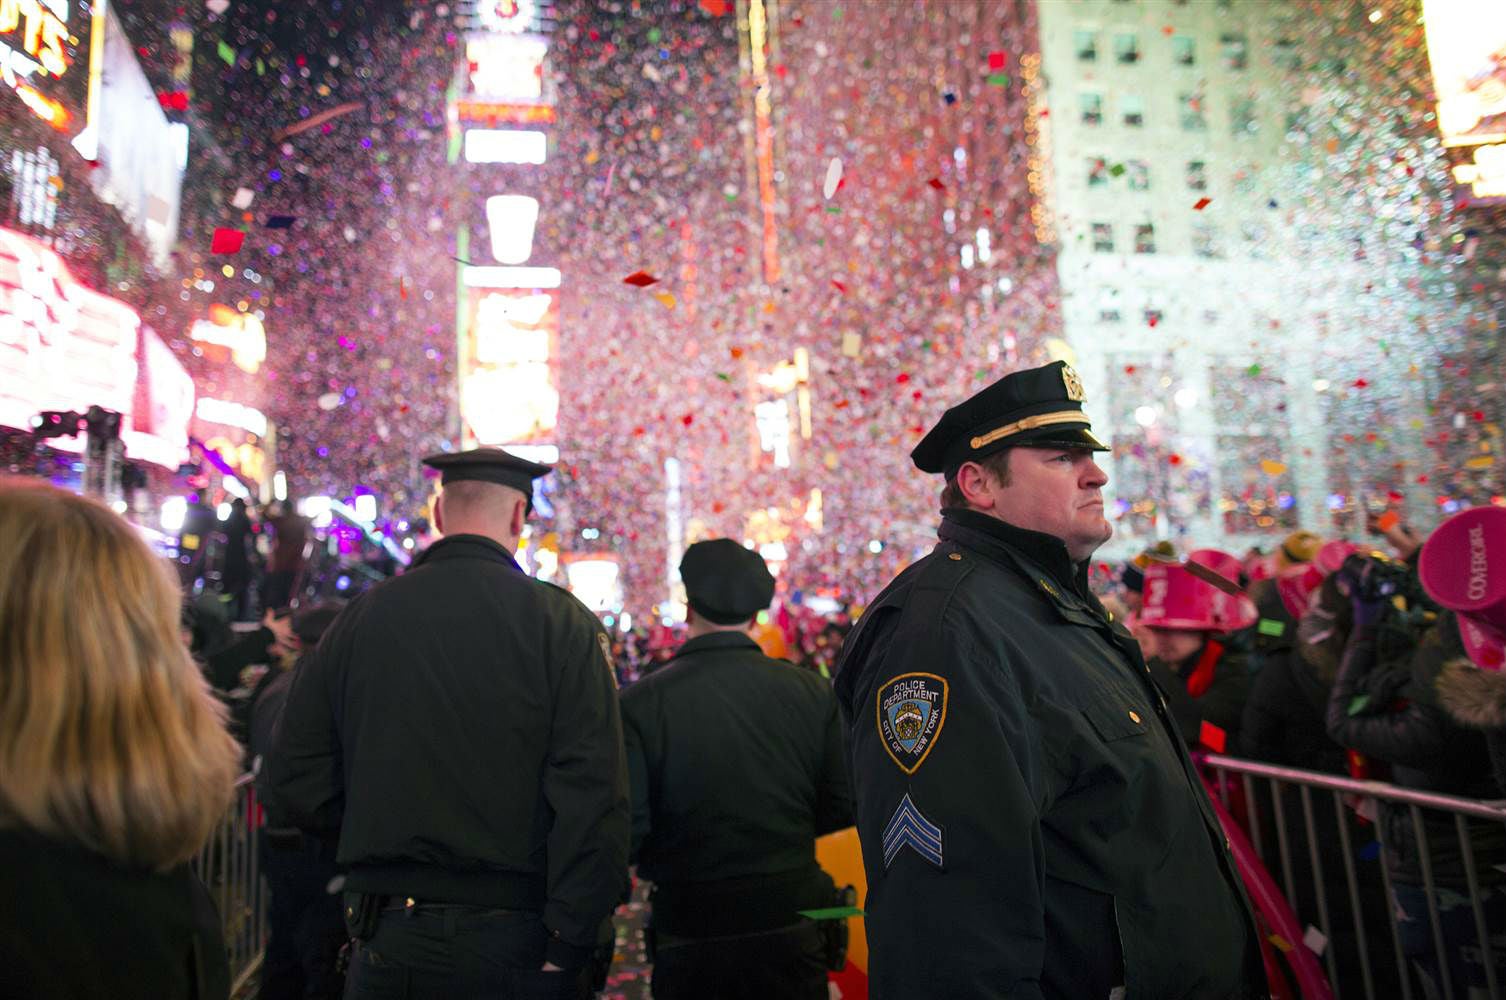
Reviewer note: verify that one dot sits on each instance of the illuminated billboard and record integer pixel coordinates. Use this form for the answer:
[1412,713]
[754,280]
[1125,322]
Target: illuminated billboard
[64,346]
[507,393]
[47,50]
[239,336]
[1467,51]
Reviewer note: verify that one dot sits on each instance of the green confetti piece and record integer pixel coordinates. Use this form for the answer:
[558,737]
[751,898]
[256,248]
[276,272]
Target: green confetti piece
[1116,170]
[724,376]
[832,913]
[1272,627]
[1357,703]
[654,34]
[226,53]
[261,68]
[925,345]
[1252,371]
[998,79]
[833,209]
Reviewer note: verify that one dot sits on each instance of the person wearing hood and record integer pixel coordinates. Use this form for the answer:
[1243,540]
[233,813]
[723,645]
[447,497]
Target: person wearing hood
[1410,717]
[1187,622]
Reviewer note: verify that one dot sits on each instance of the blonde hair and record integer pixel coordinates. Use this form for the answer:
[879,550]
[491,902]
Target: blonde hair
[109,737]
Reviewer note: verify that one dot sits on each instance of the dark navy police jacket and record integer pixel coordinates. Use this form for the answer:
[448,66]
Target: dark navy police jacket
[1031,824]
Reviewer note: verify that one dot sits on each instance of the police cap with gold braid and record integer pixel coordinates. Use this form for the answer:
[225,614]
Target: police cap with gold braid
[1036,408]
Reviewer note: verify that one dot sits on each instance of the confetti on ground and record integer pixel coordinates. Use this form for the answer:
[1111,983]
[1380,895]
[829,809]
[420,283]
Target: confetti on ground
[640,279]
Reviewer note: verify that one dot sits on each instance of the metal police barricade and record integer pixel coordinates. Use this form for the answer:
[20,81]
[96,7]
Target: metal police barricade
[228,866]
[1306,826]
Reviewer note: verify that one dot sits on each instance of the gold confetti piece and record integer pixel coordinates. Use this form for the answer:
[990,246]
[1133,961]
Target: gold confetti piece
[666,299]
[1272,468]
[1480,462]
[1281,943]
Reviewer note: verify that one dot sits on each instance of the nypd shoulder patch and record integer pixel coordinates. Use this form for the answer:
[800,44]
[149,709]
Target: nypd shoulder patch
[911,711]
[908,827]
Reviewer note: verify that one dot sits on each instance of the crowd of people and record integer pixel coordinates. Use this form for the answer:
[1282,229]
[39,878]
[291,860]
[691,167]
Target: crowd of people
[1328,655]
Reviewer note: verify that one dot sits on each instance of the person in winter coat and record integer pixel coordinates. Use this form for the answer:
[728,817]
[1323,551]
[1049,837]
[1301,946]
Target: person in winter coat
[1031,824]
[115,764]
[1186,622]
[1276,626]
[1285,723]
[305,927]
[1396,714]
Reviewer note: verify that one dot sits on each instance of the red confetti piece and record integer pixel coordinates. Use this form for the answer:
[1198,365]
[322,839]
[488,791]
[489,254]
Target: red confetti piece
[1152,319]
[1201,204]
[842,404]
[1360,383]
[902,378]
[402,288]
[716,8]
[995,61]
[227,240]
[640,279]
[638,432]
[737,352]
[936,183]
[1388,520]
[688,419]
[839,286]
[1395,497]
[1212,737]
[1174,458]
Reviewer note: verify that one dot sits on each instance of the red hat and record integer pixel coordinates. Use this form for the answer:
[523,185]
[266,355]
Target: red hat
[1463,568]
[1297,584]
[1176,599]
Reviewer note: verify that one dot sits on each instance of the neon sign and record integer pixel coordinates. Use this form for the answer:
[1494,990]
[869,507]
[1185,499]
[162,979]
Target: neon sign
[38,50]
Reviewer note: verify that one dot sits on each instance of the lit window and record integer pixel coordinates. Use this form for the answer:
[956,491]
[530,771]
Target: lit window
[1242,119]
[1153,317]
[1098,172]
[1234,51]
[1197,175]
[1092,108]
[1126,49]
[1103,237]
[1132,107]
[1182,51]
[511,219]
[1137,172]
[1204,240]
[1145,238]
[1193,114]
[1284,54]
[1085,43]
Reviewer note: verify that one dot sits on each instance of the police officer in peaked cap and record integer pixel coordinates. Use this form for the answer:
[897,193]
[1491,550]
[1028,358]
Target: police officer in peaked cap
[458,729]
[1030,821]
[737,766]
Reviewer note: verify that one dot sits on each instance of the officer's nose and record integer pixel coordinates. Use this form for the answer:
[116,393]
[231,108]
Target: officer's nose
[1094,477]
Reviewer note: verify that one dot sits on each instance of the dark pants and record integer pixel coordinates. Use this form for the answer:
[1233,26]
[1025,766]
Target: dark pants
[306,929]
[277,589]
[1462,954]
[789,963]
[459,953]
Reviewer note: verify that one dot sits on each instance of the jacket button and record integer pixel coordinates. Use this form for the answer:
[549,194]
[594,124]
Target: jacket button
[956,556]
[1135,717]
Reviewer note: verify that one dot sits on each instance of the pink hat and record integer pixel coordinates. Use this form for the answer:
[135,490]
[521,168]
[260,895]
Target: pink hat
[1297,584]
[1176,599]
[1463,568]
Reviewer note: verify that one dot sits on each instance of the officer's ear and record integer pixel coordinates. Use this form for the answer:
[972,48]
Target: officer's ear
[439,515]
[519,517]
[977,484]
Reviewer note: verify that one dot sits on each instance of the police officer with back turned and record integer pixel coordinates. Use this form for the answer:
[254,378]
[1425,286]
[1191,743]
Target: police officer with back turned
[1031,824]
[458,726]
[736,767]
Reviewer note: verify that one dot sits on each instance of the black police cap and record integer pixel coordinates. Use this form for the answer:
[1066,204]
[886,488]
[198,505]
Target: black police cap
[488,465]
[1037,407]
[725,583]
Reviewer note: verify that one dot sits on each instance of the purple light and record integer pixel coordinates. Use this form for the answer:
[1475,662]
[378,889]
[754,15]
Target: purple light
[275,175]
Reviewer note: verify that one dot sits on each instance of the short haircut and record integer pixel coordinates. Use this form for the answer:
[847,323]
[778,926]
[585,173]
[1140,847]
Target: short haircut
[109,737]
[478,497]
[996,465]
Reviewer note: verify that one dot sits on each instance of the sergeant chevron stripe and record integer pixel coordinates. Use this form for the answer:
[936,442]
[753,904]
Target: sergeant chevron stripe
[909,826]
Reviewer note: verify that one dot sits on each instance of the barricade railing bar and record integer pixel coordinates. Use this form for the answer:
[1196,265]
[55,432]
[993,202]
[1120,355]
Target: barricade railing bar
[228,865]
[1369,942]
